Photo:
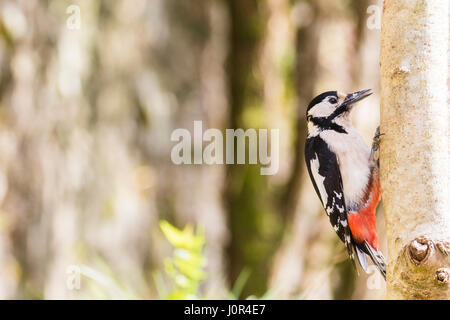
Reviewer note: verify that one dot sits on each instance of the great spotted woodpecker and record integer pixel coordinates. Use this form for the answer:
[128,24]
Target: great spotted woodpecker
[344,173]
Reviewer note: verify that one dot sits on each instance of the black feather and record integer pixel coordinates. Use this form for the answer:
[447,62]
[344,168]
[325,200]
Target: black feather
[317,152]
[377,258]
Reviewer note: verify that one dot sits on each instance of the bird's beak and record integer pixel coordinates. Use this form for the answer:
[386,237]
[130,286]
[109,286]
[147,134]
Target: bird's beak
[349,100]
[354,97]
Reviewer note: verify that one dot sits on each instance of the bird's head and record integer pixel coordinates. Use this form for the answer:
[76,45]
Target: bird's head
[331,108]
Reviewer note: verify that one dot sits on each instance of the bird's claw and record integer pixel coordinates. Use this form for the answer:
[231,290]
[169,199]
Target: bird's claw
[376,144]
[377,139]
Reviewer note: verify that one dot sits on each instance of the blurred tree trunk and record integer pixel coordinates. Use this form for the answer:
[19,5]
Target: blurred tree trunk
[192,67]
[246,194]
[306,49]
[291,253]
[414,150]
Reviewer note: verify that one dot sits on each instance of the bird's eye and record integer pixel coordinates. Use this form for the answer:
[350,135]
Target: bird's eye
[333,100]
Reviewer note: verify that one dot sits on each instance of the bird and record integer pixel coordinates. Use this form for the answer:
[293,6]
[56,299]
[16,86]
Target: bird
[345,174]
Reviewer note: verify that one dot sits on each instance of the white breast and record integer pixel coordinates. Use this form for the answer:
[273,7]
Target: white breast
[353,156]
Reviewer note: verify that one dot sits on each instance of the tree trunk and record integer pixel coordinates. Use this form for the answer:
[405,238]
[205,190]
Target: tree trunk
[414,148]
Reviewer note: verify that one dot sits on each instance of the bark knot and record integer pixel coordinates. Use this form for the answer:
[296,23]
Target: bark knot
[443,275]
[419,250]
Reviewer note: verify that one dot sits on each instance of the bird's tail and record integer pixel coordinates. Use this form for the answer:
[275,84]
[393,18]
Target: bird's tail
[377,258]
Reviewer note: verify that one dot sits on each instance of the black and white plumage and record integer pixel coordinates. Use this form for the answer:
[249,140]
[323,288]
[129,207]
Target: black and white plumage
[325,175]
[344,174]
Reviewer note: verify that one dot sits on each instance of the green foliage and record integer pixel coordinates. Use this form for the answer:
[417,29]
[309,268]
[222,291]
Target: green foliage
[239,284]
[186,267]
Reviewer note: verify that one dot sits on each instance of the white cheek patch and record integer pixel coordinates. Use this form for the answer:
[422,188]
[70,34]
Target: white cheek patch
[323,109]
[319,179]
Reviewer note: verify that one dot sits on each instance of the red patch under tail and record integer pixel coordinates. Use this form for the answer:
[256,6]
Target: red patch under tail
[363,223]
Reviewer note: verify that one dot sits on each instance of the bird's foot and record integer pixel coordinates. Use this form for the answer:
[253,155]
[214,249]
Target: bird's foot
[376,140]
[376,144]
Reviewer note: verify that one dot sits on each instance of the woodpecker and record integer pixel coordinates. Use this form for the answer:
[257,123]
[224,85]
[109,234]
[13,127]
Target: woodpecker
[345,174]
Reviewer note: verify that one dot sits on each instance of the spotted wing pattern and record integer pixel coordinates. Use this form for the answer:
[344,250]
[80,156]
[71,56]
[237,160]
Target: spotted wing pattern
[325,175]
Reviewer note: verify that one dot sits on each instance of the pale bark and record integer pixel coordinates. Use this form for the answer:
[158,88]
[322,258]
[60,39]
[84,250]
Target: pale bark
[414,148]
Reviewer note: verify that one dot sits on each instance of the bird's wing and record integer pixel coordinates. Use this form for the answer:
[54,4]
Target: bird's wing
[325,175]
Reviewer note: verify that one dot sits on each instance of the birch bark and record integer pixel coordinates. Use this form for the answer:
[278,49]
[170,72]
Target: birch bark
[414,150]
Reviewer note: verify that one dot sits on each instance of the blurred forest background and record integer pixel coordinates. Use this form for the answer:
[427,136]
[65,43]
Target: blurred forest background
[85,122]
